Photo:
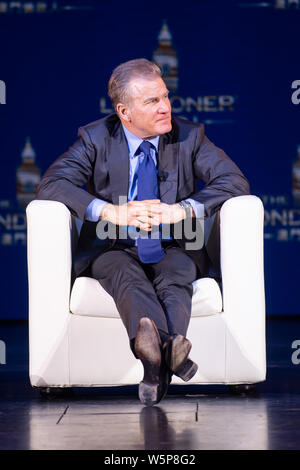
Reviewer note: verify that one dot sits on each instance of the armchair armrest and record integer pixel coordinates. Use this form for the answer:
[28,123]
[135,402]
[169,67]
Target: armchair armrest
[242,266]
[49,278]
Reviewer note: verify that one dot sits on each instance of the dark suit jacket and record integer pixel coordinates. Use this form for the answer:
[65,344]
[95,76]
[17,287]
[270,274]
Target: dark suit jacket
[99,159]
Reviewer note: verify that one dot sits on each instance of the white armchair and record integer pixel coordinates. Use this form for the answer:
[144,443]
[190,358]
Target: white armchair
[76,337]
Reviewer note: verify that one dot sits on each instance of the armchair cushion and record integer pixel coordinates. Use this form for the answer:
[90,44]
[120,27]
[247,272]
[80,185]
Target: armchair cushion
[88,298]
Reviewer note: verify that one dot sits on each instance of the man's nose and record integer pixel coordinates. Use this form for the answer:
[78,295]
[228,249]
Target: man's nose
[164,107]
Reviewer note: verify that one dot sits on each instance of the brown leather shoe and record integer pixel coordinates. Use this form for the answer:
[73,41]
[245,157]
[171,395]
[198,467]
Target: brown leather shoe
[176,356]
[148,348]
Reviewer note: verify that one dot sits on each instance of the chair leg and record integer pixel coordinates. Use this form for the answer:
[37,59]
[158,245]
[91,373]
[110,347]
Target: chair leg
[242,389]
[55,392]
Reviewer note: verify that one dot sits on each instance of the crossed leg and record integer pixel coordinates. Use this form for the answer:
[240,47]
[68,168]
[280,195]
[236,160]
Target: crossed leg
[162,291]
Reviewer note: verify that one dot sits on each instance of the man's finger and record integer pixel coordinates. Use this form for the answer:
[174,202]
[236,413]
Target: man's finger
[144,210]
[155,210]
[155,201]
[138,211]
[138,203]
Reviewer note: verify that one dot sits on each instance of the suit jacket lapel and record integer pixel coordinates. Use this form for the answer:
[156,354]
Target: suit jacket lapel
[118,164]
[168,154]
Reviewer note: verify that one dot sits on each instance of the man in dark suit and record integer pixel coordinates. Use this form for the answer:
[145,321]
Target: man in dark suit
[141,166]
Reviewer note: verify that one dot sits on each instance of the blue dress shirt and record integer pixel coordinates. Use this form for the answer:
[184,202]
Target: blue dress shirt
[94,209]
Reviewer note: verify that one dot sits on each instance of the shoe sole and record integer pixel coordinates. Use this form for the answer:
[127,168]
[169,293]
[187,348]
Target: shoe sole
[151,359]
[180,349]
[184,368]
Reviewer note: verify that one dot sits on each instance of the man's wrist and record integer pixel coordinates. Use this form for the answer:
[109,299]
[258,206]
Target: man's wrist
[187,209]
[183,214]
[105,212]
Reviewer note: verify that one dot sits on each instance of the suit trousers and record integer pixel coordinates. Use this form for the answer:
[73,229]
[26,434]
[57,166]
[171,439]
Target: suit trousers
[161,291]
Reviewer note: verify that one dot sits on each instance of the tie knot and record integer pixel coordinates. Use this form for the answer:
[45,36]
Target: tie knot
[145,147]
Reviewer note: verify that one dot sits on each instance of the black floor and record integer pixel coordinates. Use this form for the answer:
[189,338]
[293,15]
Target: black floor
[189,418]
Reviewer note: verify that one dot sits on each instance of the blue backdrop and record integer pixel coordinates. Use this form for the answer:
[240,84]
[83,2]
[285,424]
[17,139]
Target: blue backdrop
[238,72]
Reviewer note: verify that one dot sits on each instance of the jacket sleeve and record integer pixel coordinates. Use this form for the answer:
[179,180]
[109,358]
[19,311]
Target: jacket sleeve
[64,179]
[223,179]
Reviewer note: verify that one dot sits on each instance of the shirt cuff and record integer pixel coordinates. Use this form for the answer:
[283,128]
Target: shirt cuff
[94,210]
[198,208]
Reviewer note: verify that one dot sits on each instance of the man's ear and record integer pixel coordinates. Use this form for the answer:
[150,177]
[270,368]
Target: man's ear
[123,112]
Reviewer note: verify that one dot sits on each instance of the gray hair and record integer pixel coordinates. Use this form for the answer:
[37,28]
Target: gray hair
[118,85]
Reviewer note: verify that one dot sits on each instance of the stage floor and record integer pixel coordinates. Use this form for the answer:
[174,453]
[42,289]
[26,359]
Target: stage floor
[189,418]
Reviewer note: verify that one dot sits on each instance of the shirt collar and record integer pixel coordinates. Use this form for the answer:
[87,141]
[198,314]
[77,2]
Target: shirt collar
[134,141]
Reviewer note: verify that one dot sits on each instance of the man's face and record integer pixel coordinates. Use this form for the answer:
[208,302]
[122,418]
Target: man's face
[149,112]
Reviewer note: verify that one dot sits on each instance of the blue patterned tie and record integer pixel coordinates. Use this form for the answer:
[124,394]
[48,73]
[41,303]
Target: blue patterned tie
[149,250]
